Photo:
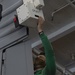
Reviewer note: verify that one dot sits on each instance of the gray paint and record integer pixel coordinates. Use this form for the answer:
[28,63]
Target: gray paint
[7,20]
[16,36]
[19,59]
[9,34]
[64,48]
[7,30]
[0,62]
[12,8]
[60,19]
[9,10]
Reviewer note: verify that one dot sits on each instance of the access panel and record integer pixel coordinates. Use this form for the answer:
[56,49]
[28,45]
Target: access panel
[19,60]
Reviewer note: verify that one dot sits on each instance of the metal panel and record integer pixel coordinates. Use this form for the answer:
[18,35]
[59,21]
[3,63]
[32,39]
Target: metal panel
[16,36]
[28,51]
[9,10]
[19,59]
[10,6]
[7,30]
[0,62]
[7,27]
[7,20]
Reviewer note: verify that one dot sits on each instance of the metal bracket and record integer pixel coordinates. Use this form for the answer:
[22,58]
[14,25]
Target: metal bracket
[16,22]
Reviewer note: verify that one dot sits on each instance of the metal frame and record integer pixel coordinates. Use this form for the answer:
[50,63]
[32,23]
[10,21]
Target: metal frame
[0,62]
[56,35]
[23,54]
[60,9]
[18,36]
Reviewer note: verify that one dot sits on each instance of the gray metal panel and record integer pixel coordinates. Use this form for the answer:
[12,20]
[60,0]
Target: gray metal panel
[7,20]
[7,30]
[0,61]
[7,40]
[28,51]
[10,5]
[9,10]
[19,60]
